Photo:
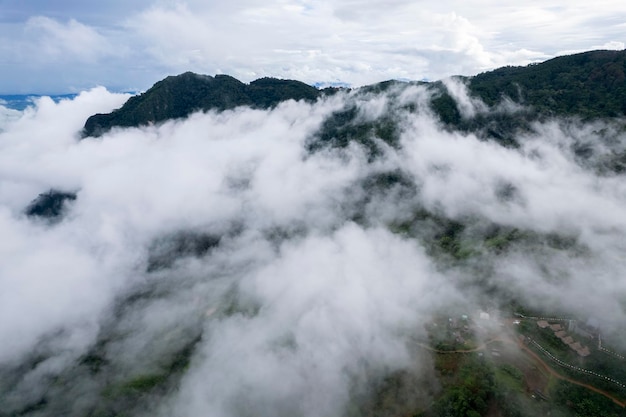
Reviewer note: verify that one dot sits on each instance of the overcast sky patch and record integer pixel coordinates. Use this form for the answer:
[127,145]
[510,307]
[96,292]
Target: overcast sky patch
[75,46]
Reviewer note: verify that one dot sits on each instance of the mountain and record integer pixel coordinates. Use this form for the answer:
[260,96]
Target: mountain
[179,96]
[50,205]
[589,85]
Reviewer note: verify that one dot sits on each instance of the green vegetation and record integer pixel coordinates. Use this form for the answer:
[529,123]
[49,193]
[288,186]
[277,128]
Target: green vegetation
[583,402]
[267,92]
[167,249]
[470,393]
[500,239]
[179,96]
[597,362]
[400,393]
[511,377]
[511,396]
[443,236]
[445,107]
[134,393]
[457,240]
[137,385]
[589,84]
[346,126]
[452,242]
[608,365]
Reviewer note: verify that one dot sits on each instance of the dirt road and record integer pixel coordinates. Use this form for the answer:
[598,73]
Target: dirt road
[566,378]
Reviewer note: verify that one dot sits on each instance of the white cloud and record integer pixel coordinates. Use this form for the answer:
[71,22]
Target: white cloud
[468,106]
[357,42]
[311,341]
[360,42]
[613,45]
[299,300]
[7,116]
[70,41]
[39,137]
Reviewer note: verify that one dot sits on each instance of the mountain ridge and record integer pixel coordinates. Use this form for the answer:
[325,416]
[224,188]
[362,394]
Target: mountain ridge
[589,84]
[178,96]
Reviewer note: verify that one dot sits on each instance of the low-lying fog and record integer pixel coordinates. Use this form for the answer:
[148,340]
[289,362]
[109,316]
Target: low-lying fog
[225,262]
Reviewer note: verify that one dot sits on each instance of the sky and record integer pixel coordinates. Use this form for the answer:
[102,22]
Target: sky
[67,46]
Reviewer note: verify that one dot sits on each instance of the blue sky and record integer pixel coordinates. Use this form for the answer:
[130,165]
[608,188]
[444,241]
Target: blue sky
[71,45]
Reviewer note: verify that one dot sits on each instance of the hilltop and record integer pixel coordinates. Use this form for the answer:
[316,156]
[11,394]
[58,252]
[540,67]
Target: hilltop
[178,96]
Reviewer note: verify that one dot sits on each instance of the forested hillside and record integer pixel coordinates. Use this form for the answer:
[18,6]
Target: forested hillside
[588,85]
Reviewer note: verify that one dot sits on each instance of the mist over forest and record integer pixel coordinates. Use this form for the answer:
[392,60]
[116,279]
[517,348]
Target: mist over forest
[283,261]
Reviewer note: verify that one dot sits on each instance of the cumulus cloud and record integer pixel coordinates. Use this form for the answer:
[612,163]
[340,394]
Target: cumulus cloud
[56,55]
[7,115]
[220,260]
[352,42]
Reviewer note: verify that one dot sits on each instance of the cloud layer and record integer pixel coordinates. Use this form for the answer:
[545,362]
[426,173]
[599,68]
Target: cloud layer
[286,282]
